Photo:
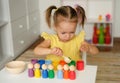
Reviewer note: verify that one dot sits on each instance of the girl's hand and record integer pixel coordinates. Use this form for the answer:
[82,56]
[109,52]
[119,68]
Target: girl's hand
[85,47]
[56,51]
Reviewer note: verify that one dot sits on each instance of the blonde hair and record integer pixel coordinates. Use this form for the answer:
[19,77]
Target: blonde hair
[64,13]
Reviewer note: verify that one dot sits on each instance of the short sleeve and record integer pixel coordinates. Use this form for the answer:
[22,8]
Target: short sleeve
[80,37]
[45,35]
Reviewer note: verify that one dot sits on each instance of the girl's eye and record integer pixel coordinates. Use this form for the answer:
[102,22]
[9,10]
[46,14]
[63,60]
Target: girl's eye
[63,32]
[72,32]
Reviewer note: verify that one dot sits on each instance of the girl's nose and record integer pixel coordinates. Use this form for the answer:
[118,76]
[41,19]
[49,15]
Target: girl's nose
[67,36]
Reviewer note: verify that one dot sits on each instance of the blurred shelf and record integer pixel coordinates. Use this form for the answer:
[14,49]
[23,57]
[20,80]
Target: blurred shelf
[98,21]
[2,23]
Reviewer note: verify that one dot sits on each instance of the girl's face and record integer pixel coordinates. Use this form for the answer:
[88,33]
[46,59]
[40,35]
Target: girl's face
[66,30]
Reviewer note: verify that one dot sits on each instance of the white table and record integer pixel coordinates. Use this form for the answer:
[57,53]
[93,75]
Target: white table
[86,76]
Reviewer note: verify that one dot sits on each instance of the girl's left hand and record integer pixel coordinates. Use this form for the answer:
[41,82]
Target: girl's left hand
[85,47]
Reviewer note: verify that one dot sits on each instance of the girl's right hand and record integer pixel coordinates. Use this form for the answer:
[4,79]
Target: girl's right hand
[57,51]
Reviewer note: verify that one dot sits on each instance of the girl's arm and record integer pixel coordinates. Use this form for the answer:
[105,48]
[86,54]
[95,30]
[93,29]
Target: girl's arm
[43,48]
[89,48]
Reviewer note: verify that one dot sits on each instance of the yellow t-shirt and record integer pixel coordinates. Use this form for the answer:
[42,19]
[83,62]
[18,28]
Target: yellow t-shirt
[70,49]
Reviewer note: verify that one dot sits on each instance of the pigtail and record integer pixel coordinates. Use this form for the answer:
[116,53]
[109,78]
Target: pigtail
[81,15]
[49,14]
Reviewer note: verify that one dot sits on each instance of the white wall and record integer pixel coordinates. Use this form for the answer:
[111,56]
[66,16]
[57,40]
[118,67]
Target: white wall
[117,19]
[44,4]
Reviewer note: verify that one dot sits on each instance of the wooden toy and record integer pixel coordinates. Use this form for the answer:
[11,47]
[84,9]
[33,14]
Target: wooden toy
[72,74]
[101,38]
[101,35]
[55,63]
[62,62]
[41,62]
[72,63]
[107,34]
[107,38]
[108,17]
[33,61]
[30,70]
[59,72]
[66,71]
[66,59]
[37,71]
[44,71]
[100,18]
[47,62]
[95,34]
[51,73]
[15,67]
[80,65]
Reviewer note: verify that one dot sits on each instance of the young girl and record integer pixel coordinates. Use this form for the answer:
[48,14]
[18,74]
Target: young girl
[64,21]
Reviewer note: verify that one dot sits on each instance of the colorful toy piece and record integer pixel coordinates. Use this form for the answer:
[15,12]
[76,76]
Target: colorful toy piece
[37,71]
[72,74]
[55,63]
[65,69]
[66,59]
[80,65]
[44,71]
[30,70]
[33,61]
[62,62]
[72,63]
[66,72]
[108,17]
[59,72]
[51,73]
[41,62]
[47,62]
[100,18]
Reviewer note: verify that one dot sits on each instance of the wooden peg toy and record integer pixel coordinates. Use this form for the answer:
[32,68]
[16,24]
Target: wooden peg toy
[66,71]
[80,65]
[66,59]
[72,73]
[51,73]
[62,62]
[30,70]
[44,71]
[37,71]
[59,72]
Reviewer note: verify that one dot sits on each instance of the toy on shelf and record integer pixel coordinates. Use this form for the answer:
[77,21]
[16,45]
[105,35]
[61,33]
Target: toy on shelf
[37,71]
[72,74]
[95,34]
[100,17]
[102,34]
[30,70]
[108,17]
[107,35]
[59,72]
[51,73]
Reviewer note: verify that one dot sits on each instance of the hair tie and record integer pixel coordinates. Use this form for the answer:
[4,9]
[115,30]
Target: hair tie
[53,11]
